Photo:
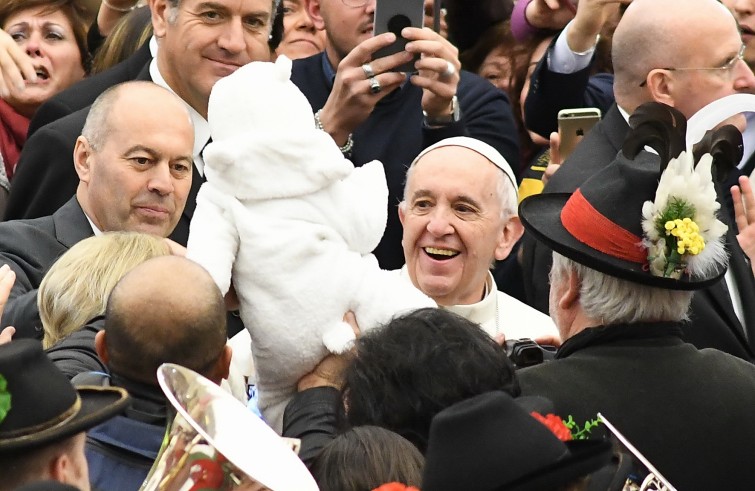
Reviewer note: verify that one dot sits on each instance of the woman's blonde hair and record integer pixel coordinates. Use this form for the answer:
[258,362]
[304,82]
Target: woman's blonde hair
[77,286]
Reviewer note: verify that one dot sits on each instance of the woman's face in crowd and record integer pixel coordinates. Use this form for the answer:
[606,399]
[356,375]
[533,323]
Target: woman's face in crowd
[49,40]
[497,68]
[300,38]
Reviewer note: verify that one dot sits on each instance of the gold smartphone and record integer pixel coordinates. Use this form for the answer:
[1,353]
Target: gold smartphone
[573,124]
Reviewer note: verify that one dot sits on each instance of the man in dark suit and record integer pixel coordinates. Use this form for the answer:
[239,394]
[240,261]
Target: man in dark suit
[376,113]
[134,162]
[150,322]
[622,323]
[193,53]
[649,37]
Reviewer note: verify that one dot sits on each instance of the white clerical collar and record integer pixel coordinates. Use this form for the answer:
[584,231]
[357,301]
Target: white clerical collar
[201,126]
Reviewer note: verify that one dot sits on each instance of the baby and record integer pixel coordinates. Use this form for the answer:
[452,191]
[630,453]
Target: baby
[291,222]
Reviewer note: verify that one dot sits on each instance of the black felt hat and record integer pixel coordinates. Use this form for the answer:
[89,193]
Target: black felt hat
[490,442]
[600,224]
[44,406]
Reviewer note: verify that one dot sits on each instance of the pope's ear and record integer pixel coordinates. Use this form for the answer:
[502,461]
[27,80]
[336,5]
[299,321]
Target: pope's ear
[402,212]
[510,234]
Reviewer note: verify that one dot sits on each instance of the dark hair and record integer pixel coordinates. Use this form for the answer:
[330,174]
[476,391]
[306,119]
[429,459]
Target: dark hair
[72,9]
[366,457]
[128,35]
[418,364]
[276,33]
[496,36]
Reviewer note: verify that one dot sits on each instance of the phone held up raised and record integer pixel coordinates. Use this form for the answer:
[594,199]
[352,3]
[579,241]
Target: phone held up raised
[573,124]
[393,16]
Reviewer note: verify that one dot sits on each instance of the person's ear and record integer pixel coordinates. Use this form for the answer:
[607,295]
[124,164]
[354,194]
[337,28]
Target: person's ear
[570,294]
[100,346]
[511,233]
[82,152]
[160,12]
[59,468]
[402,212]
[223,365]
[660,84]
[314,10]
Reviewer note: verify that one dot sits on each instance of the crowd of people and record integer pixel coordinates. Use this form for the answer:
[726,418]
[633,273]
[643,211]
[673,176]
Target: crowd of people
[595,320]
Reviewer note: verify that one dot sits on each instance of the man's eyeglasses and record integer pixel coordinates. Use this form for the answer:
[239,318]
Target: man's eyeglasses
[728,66]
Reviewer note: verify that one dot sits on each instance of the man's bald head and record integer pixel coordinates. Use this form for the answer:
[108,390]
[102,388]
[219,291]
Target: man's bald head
[168,309]
[123,96]
[657,34]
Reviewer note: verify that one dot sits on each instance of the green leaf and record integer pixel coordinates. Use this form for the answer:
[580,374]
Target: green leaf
[5,404]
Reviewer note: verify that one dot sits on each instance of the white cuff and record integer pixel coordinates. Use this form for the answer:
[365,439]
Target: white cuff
[561,59]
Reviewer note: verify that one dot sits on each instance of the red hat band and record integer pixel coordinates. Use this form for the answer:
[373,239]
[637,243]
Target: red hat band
[592,228]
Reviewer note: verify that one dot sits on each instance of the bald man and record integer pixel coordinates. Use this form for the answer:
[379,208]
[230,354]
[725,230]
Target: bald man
[149,321]
[134,162]
[684,53]
[166,310]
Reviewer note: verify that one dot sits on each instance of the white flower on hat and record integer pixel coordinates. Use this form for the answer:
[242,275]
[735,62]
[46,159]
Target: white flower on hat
[682,232]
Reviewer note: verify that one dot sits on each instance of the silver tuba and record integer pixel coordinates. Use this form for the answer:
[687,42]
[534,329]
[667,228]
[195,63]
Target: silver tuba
[216,443]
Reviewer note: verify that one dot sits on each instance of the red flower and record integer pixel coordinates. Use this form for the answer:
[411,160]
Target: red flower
[395,486]
[555,424]
[206,474]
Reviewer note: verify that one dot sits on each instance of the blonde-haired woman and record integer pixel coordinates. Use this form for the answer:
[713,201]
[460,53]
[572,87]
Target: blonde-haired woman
[77,286]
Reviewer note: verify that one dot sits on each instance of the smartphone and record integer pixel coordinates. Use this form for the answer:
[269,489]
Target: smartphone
[393,16]
[573,124]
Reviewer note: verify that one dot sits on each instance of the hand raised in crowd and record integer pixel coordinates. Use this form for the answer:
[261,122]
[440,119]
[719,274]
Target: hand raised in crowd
[359,85]
[555,161]
[550,14]
[744,214]
[438,69]
[589,21]
[430,18]
[329,372]
[15,66]
[7,278]
[176,249]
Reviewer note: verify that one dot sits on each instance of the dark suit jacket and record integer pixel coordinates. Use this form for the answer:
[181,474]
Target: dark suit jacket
[550,92]
[30,247]
[713,323]
[688,411]
[46,177]
[83,94]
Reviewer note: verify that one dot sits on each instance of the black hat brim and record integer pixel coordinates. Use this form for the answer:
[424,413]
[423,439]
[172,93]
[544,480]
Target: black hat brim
[541,216]
[585,457]
[98,404]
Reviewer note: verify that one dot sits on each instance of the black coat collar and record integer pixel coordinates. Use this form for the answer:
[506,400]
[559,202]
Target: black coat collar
[626,334]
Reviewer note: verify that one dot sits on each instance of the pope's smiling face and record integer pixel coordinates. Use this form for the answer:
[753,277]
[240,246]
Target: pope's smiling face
[453,223]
